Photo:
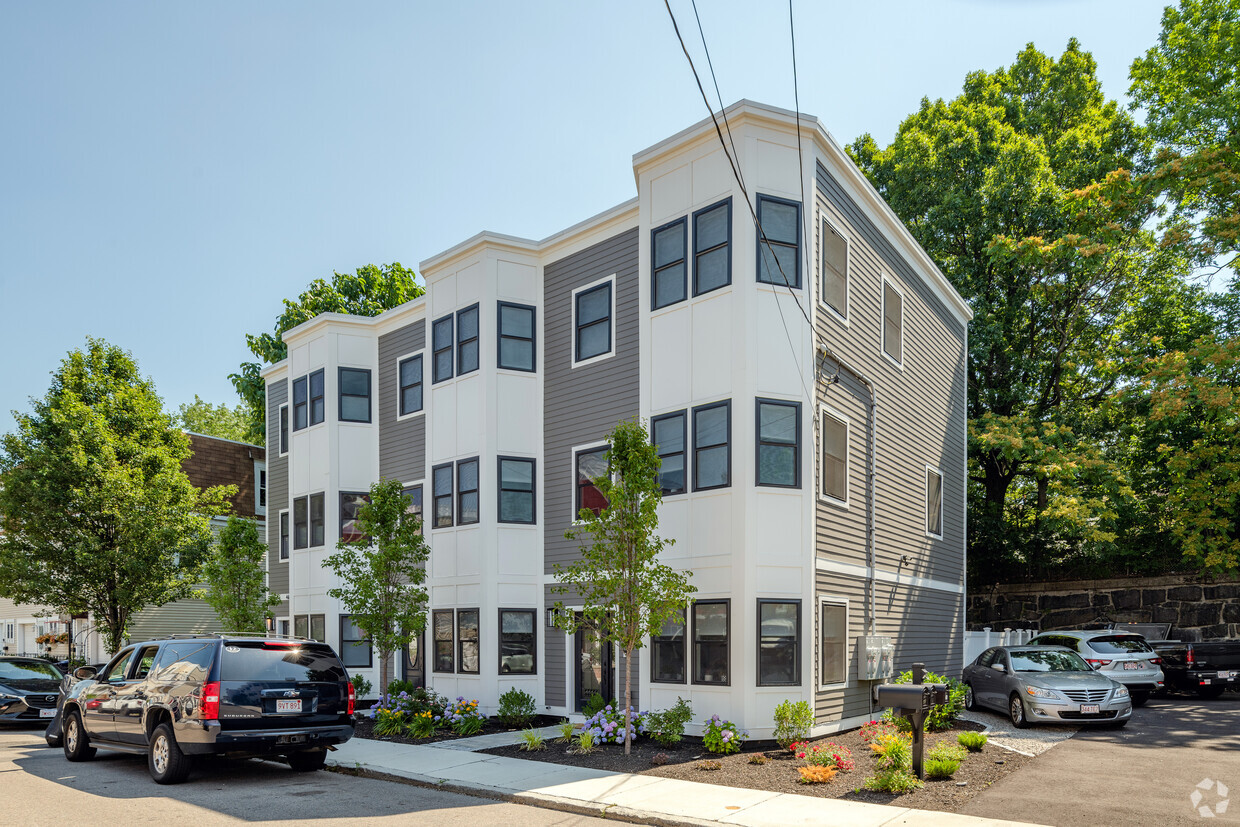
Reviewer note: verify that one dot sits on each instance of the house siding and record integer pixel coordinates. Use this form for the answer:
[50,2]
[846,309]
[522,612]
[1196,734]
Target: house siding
[277,492]
[402,444]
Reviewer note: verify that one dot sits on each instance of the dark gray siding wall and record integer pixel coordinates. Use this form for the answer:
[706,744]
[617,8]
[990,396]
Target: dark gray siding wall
[402,445]
[277,491]
[582,405]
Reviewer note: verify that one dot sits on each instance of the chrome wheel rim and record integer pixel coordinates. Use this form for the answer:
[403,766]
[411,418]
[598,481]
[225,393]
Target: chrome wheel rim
[159,754]
[1018,711]
[968,696]
[71,736]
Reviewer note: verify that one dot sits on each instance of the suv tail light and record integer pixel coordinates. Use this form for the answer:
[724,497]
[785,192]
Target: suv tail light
[1155,661]
[1096,663]
[209,708]
[352,697]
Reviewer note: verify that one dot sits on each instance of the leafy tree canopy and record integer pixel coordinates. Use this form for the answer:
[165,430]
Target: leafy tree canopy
[235,579]
[201,417]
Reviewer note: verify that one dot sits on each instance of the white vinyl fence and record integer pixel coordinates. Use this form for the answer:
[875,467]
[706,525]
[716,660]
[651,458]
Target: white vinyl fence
[977,642]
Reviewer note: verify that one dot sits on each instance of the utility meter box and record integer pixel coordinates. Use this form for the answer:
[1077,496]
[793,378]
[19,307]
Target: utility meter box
[877,655]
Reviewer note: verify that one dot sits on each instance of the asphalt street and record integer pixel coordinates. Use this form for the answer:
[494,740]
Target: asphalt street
[39,787]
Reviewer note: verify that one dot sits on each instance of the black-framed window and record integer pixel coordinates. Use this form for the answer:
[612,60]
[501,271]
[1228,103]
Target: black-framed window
[834,457]
[441,349]
[467,641]
[284,535]
[779,643]
[441,494]
[467,340]
[467,491]
[516,323]
[934,503]
[518,650]
[832,643]
[668,249]
[413,496]
[779,443]
[318,520]
[301,522]
[712,247]
[711,639]
[712,448]
[779,241]
[893,322]
[667,652]
[354,645]
[445,647]
[668,433]
[354,394]
[834,267]
[516,490]
[351,503]
[284,429]
[410,380]
[592,317]
[318,398]
[591,465]
[301,404]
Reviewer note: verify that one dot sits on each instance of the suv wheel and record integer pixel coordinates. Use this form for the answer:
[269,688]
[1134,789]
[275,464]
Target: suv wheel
[168,765]
[76,745]
[1016,711]
[307,761]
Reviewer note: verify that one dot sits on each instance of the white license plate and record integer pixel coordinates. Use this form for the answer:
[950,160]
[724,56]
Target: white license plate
[1089,709]
[1224,674]
[47,713]
[1132,664]
[288,706]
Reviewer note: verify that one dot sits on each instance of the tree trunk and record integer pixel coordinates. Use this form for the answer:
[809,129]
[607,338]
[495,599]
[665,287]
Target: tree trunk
[384,668]
[628,701]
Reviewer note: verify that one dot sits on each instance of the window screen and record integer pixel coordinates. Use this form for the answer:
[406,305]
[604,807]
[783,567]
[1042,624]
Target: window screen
[712,255]
[668,265]
[779,241]
[834,458]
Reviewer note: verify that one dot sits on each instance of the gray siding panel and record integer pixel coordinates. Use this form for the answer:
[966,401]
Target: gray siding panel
[277,488]
[402,445]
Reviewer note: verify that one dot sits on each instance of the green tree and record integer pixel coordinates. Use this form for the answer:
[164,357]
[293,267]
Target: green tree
[97,514]
[201,417]
[235,580]
[381,576]
[367,292]
[1189,87]
[625,592]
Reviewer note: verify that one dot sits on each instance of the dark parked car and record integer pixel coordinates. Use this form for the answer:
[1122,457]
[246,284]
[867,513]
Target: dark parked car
[28,689]
[1044,684]
[187,696]
[1207,668]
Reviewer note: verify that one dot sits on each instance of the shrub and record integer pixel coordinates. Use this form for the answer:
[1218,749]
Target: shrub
[940,717]
[607,725]
[516,708]
[668,727]
[709,765]
[893,781]
[659,759]
[894,751]
[793,721]
[874,729]
[825,755]
[424,724]
[594,704]
[361,686]
[464,717]
[397,687]
[585,742]
[757,758]
[722,736]
[411,703]
[945,751]
[816,774]
[390,722]
[567,731]
[972,741]
[940,769]
[532,740]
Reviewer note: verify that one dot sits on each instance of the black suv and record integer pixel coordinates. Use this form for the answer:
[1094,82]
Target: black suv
[194,695]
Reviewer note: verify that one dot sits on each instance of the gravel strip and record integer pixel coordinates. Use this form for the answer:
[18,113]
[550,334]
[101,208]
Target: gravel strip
[1032,741]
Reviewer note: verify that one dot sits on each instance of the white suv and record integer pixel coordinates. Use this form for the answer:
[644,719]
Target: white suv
[1122,656]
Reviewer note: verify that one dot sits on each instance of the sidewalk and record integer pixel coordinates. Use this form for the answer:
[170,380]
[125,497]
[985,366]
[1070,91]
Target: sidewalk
[456,766]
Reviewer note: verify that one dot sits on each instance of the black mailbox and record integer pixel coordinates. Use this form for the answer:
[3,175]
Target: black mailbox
[913,701]
[913,697]
[938,694]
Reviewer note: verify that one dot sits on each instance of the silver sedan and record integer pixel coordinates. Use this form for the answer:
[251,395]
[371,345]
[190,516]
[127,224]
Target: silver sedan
[1044,684]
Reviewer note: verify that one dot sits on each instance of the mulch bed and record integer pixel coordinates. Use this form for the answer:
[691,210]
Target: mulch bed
[779,774]
[365,728]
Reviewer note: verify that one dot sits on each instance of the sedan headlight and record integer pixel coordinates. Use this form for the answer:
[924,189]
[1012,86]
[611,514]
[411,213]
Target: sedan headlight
[6,697]
[1038,692]
[1121,692]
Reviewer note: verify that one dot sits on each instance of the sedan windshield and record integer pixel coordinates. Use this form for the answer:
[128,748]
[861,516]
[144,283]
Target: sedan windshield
[1048,661]
[27,670]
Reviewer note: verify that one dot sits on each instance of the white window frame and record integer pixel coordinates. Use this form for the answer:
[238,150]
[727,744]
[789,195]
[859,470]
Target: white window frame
[260,490]
[572,329]
[425,386]
[882,321]
[926,515]
[834,600]
[572,476]
[281,414]
[827,410]
[280,557]
[842,318]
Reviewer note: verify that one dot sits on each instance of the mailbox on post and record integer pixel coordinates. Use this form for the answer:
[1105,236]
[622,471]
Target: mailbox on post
[913,701]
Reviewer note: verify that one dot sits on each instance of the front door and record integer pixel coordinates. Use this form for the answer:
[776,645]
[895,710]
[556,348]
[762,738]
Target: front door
[594,673]
[414,666]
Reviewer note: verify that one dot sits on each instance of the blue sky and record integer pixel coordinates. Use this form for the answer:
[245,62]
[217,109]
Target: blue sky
[169,172]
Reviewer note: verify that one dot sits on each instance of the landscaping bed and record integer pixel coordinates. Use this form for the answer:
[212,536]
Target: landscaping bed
[364,728]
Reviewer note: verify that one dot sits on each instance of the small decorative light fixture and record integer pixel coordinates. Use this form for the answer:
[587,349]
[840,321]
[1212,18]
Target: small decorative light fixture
[271,624]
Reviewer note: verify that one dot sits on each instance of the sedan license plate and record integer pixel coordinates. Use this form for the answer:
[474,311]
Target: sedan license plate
[1089,709]
[288,706]
[1132,664]
[47,713]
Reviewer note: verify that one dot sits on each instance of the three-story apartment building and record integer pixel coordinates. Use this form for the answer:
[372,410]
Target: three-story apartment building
[804,383]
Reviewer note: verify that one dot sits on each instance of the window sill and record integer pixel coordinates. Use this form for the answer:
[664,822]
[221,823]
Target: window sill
[593,360]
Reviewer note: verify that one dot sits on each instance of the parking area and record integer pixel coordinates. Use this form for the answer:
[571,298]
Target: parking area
[1163,768]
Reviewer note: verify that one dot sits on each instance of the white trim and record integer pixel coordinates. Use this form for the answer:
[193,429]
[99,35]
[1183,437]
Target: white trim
[827,410]
[572,473]
[882,323]
[260,488]
[842,318]
[926,514]
[862,572]
[422,352]
[834,600]
[280,558]
[572,328]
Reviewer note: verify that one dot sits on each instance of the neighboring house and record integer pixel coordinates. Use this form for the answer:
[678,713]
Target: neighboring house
[491,397]
[214,461]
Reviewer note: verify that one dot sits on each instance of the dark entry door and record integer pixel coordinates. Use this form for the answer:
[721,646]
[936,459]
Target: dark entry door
[414,666]
[594,672]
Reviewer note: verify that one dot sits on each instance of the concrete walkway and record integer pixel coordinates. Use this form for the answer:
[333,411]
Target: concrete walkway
[457,766]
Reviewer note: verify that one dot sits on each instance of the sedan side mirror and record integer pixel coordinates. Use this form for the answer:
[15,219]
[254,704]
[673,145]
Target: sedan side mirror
[998,667]
[84,673]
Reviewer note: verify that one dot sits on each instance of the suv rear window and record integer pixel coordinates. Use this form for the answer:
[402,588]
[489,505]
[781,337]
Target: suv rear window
[280,662]
[1119,645]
